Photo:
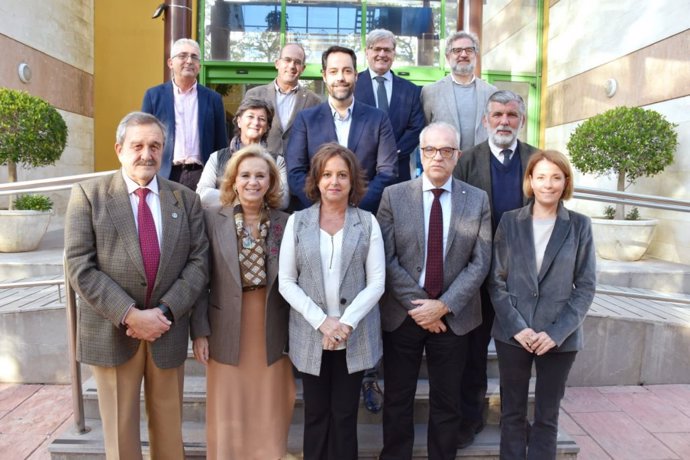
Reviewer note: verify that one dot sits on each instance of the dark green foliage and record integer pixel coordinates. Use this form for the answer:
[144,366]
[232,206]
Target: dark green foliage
[634,214]
[609,212]
[32,132]
[33,203]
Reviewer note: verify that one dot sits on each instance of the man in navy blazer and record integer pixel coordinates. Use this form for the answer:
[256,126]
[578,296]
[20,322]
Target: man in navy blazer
[363,129]
[398,97]
[193,116]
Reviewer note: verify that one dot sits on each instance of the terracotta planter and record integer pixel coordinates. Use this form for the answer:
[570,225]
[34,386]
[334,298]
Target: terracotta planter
[22,230]
[625,240]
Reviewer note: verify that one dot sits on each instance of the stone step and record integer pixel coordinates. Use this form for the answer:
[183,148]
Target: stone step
[194,402]
[89,446]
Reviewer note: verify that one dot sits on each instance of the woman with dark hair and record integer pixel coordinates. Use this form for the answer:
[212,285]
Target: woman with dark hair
[252,124]
[332,273]
[541,285]
[239,328]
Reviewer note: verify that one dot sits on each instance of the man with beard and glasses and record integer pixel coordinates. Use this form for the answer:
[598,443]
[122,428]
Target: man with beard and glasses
[363,129]
[459,98]
[497,167]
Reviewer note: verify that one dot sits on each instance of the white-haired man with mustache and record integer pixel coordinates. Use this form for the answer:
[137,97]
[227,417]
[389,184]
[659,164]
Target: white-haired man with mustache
[495,166]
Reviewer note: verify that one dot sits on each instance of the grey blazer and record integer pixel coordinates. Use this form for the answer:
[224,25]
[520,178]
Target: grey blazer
[364,347]
[467,258]
[474,166]
[277,138]
[555,299]
[438,103]
[105,267]
[218,311]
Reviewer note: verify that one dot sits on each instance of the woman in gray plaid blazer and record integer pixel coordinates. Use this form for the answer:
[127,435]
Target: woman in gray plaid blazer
[332,273]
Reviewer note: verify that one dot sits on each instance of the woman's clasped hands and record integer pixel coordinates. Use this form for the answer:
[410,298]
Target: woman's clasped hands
[334,333]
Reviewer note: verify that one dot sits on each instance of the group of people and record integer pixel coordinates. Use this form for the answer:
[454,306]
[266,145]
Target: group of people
[372,267]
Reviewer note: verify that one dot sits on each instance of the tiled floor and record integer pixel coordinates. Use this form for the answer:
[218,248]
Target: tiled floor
[612,423]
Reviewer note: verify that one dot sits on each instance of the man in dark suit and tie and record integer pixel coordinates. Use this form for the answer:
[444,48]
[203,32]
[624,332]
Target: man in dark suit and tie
[496,166]
[286,95]
[379,87]
[363,129]
[437,236]
[136,253]
[192,114]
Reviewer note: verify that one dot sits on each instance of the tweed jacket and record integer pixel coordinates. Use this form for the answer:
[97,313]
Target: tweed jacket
[467,257]
[104,264]
[364,347]
[405,114]
[218,312]
[439,105]
[277,137]
[474,166]
[160,102]
[556,298]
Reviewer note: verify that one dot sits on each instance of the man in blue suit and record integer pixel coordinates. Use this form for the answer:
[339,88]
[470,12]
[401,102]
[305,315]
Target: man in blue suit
[363,129]
[380,87]
[193,116]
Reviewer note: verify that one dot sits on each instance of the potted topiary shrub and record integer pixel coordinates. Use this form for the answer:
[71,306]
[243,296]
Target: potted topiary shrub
[32,133]
[628,142]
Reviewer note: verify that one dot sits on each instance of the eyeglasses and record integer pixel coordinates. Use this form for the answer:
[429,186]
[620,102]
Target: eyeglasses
[446,152]
[378,49]
[289,60]
[184,56]
[458,51]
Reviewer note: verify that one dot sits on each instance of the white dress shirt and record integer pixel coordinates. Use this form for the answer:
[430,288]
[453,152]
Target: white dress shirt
[152,199]
[342,124]
[388,84]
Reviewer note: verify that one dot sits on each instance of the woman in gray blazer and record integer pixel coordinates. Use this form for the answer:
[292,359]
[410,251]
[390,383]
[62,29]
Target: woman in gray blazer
[332,273]
[541,285]
[239,328]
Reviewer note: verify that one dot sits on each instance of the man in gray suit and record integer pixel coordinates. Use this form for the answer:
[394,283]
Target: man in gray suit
[496,166]
[459,98]
[437,235]
[286,96]
[136,252]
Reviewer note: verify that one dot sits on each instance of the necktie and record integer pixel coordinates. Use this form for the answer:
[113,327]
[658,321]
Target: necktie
[433,279]
[506,156]
[381,95]
[148,241]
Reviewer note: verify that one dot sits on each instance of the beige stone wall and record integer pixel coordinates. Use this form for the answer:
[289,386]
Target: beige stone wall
[644,46]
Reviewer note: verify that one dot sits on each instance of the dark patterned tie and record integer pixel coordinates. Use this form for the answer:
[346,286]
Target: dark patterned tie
[381,95]
[506,156]
[433,279]
[148,242]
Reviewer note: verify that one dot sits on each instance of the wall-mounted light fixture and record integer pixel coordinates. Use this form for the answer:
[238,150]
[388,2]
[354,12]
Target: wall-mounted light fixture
[24,72]
[611,86]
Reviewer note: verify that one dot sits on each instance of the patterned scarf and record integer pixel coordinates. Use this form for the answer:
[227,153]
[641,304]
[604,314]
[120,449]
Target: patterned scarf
[252,252]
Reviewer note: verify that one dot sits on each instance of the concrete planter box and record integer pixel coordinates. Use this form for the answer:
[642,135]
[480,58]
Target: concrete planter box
[625,240]
[22,231]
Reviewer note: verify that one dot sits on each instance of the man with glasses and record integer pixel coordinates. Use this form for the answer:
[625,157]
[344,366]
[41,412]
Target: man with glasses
[193,116]
[286,95]
[379,87]
[495,166]
[459,98]
[437,237]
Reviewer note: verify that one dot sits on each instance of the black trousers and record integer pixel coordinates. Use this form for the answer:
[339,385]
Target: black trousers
[474,378]
[445,356]
[519,441]
[331,402]
[188,175]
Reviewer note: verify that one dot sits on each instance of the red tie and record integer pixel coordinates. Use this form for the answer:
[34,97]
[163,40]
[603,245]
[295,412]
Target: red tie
[433,279]
[148,242]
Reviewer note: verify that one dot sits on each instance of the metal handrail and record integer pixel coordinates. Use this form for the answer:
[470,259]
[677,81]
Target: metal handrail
[26,284]
[47,185]
[633,199]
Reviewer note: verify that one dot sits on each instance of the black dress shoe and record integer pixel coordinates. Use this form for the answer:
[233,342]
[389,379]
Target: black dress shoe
[372,396]
[467,432]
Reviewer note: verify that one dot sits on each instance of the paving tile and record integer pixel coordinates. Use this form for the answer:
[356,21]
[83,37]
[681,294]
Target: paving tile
[589,449]
[13,394]
[677,396]
[18,446]
[655,414]
[41,452]
[622,389]
[677,442]
[567,424]
[40,414]
[621,437]
[583,399]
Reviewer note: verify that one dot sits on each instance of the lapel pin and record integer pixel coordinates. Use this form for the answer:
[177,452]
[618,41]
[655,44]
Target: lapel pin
[174,215]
